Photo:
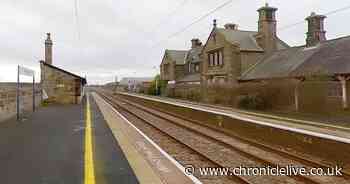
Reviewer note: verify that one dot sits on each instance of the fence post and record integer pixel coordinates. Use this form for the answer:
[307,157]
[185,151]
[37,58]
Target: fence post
[33,93]
[17,92]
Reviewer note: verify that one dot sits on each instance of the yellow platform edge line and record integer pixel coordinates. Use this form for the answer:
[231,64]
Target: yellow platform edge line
[89,173]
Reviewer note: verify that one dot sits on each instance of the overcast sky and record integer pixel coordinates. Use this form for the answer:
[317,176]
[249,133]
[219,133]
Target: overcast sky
[128,38]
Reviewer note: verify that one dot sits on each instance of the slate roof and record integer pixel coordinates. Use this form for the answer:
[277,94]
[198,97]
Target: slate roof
[177,55]
[83,80]
[328,58]
[246,39]
[196,77]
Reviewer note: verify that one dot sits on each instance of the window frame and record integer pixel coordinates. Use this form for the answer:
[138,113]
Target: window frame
[216,58]
[335,90]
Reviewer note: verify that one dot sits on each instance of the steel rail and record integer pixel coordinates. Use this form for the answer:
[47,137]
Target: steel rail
[118,105]
[242,152]
[260,145]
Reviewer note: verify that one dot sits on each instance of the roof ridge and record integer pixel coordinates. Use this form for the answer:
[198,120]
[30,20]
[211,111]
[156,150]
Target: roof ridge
[335,39]
[238,30]
[65,71]
[177,50]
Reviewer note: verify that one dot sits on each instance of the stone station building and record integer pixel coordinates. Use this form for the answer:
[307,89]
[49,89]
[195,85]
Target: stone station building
[238,64]
[60,86]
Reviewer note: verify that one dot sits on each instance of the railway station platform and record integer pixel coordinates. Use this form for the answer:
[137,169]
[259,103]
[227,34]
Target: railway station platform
[317,128]
[87,143]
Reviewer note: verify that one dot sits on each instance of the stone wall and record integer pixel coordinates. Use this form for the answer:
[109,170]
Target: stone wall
[8,107]
[279,95]
[60,87]
[276,95]
[184,91]
[179,71]
[168,69]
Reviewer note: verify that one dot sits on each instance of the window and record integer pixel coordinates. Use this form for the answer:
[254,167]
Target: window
[216,58]
[335,90]
[196,67]
[210,59]
[220,58]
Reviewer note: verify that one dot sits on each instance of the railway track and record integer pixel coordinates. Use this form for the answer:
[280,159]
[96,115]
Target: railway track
[300,157]
[185,155]
[218,148]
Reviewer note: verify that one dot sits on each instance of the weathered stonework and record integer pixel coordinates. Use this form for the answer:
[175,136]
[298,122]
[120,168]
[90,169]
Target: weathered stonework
[173,65]
[8,107]
[60,86]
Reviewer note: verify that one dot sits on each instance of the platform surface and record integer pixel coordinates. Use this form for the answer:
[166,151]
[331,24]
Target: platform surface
[48,148]
[147,159]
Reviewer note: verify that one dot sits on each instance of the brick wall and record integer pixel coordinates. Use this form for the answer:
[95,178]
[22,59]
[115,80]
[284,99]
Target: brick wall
[8,99]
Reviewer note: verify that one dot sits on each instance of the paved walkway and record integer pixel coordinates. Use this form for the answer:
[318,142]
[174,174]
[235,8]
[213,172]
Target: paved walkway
[89,143]
[44,149]
[50,148]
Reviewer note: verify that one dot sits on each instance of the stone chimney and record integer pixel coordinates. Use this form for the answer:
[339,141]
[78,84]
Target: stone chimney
[267,28]
[196,43]
[231,26]
[48,49]
[316,32]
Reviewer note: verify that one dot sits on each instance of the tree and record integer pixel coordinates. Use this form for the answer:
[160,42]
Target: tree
[156,86]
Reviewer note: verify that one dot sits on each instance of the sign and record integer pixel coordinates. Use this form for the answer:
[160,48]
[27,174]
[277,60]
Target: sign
[20,101]
[25,71]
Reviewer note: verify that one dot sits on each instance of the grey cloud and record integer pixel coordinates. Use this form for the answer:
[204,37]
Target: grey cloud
[118,37]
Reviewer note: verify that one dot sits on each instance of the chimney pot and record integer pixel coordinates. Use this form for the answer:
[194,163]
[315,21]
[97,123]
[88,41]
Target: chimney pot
[316,32]
[48,49]
[196,42]
[267,28]
[231,26]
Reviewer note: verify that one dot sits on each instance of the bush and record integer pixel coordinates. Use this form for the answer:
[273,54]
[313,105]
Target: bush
[161,85]
[253,102]
[45,103]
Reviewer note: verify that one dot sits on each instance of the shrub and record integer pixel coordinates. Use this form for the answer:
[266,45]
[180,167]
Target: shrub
[253,102]
[161,85]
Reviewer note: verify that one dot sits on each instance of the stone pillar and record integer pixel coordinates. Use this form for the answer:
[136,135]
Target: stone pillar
[48,49]
[343,80]
[297,82]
